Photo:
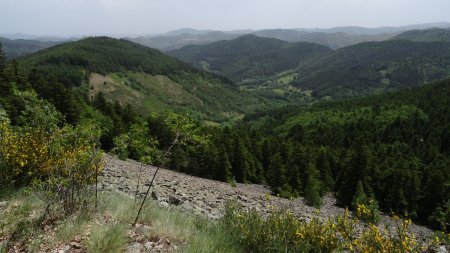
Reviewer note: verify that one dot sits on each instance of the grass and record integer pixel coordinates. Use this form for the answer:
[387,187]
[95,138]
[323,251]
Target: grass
[107,238]
[109,229]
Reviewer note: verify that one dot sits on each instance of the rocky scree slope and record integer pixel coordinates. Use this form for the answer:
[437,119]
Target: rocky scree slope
[208,197]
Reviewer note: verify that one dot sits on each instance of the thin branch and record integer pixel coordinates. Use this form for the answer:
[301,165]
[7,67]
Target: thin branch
[137,187]
[175,141]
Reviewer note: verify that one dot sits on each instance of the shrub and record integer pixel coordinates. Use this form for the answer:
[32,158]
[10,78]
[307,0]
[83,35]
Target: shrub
[280,231]
[368,212]
[60,162]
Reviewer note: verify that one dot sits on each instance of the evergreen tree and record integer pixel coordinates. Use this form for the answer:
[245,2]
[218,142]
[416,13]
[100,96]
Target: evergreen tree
[276,174]
[241,163]
[225,167]
[312,188]
[297,133]
[326,175]
[357,168]
[360,196]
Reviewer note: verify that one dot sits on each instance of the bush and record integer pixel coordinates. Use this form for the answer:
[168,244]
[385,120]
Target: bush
[368,212]
[280,231]
[60,162]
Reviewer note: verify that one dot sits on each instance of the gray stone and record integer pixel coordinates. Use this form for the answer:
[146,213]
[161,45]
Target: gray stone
[442,249]
[75,245]
[135,248]
[163,204]
[3,204]
[175,200]
[64,249]
[149,245]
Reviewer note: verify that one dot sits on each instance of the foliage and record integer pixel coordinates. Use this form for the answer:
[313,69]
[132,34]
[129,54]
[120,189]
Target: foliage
[137,144]
[396,144]
[312,188]
[282,232]
[368,212]
[366,209]
[60,161]
[441,216]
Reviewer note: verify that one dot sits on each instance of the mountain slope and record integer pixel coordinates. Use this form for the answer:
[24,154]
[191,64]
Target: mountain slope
[403,138]
[20,47]
[249,56]
[177,40]
[129,72]
[428,35]
[375,67]
[333,40]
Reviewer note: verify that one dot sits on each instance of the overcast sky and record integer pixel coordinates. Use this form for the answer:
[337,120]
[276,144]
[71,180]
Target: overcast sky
[109,17]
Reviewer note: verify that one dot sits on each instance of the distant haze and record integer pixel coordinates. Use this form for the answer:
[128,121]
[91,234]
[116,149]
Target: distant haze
[141,17]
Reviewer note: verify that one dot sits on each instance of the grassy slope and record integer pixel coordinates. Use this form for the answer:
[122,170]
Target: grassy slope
[161,81]
[109,229]
[375,67]
[249,57]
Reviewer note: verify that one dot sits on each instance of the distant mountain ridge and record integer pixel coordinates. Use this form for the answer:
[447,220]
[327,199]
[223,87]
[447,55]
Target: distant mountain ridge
[171,42]
[377,30]
[335,38]
[20,47]
[249,56]
[427,35]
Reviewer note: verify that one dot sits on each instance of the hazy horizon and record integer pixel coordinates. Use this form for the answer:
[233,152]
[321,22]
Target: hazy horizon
[143,17]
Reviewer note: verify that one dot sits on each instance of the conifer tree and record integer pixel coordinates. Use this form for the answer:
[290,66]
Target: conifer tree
[225,167]
[357,168]
[277,173]
[312,188]
[360,196]
[323,164]
[241,165]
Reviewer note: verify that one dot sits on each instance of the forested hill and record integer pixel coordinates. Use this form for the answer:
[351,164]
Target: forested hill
[20,47]
[397,145]
[105,55]
[249,56]
[373,67]
[150,80]
[428,35]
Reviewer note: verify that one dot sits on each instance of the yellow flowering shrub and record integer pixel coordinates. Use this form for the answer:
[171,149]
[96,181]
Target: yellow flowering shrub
[367,212]
[282,232]
[23,154]
[36,154]
[60,163]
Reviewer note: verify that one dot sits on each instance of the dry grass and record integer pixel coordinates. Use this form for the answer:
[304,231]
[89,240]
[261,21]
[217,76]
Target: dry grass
[109,229]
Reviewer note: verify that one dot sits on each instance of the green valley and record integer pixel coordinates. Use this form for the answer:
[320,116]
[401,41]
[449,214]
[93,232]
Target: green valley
[249,58]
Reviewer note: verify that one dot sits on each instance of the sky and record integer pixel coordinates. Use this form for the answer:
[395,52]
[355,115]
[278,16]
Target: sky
[141,17]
